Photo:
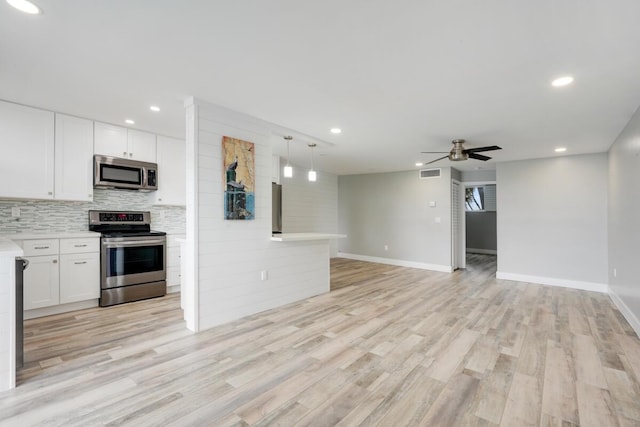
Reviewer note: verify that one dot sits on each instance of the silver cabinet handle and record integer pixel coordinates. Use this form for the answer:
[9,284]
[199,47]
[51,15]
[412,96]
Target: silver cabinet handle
[55,261]
[41,247]
[80,246]
[81,262]
[124,153]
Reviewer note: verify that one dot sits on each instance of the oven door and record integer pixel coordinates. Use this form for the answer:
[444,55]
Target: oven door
[132,260]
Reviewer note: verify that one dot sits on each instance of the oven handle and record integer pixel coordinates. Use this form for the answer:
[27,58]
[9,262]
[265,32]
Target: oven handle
[133,243]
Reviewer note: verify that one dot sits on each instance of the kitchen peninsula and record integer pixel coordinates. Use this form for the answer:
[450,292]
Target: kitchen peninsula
[299,237]
[8,253]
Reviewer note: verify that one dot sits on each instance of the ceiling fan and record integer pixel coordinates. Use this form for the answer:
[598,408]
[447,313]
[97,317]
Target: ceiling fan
[459,153]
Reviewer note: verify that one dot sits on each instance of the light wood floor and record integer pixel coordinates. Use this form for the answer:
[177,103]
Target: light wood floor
[390,346]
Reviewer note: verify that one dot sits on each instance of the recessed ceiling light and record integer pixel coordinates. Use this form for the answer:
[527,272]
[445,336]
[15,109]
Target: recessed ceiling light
[25,6]
[154,108]
[130,122]
[562,81]
[419,164]
[336,130]
[560,150]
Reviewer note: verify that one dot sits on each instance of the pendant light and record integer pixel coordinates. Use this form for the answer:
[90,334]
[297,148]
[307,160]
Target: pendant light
[288,169]
[312,173]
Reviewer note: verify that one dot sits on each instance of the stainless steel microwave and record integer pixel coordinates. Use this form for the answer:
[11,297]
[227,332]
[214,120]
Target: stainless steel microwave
[114,172]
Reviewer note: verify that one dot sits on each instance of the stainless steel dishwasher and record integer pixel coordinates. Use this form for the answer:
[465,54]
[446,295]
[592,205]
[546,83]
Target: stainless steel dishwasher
[21,265]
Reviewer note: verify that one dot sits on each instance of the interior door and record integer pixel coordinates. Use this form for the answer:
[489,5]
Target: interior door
[457,227]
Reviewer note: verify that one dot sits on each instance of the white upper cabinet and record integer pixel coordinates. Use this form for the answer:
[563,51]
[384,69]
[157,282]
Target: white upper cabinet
[73,158]
[171,172]
[142,145]
[116,141]
[26,152]
[110,140]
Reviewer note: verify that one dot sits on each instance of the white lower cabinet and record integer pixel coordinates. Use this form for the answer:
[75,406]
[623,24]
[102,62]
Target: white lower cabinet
[41,282]
[60,271]
[79,277]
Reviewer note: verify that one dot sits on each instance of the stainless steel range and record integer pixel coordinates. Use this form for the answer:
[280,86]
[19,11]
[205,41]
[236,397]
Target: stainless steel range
[133,258]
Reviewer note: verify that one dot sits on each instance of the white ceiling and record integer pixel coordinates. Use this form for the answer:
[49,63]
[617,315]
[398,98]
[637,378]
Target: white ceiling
[398,77]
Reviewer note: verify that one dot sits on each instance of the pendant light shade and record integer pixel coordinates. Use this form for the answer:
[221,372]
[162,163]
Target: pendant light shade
[288,169]
[312,172]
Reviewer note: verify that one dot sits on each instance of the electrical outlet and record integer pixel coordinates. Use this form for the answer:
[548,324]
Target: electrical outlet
[264,275]
[437,220]
[615,272]
[386,248]
[15,212]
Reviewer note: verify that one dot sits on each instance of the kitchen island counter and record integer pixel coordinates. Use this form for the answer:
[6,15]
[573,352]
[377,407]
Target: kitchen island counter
[8,253]
[299,237]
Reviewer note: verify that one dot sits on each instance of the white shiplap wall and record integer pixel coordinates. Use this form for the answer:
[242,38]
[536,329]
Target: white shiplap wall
[225,259]
[310,206]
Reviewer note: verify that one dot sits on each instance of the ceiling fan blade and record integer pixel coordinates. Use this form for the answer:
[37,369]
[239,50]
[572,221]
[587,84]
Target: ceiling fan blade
[434,152]
[480,149]
[433,161]
[478,157]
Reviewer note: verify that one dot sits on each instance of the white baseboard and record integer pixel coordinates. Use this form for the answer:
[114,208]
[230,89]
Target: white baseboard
[551,281]
[398,262]
[61,308]
[482,251]
[173,289]
[625,310]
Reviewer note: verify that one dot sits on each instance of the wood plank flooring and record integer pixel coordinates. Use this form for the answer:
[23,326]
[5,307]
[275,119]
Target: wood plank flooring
[389,346]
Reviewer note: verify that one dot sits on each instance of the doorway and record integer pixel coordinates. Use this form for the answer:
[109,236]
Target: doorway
[480,218]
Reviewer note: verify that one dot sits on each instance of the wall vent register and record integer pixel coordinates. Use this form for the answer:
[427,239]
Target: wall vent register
[429,173]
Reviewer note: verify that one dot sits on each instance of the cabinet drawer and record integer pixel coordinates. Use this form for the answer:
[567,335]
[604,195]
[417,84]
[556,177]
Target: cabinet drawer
[40,247]
[76,246]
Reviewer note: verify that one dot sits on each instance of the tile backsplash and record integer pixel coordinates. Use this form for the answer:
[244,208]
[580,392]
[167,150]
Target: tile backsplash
[60,216]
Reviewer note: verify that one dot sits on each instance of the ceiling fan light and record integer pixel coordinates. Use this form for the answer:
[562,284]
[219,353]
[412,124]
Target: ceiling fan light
[457,157]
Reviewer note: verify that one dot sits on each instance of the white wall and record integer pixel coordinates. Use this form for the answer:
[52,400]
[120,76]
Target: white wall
[552,221]
[393,209]
[624,227]
[225,258]
[310,206]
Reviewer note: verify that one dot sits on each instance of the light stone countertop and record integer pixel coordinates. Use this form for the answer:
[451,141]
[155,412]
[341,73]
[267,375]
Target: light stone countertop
[299,237]
[8,248]
[50,235]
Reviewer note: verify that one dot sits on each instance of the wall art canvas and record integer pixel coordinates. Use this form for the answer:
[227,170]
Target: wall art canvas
[239,178]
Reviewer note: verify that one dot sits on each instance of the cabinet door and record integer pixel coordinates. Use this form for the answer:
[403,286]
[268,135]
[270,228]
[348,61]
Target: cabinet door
[110,140]
[79,277]
[41,282]
[73,159]
[142,146]
[26,152]
[172,184]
